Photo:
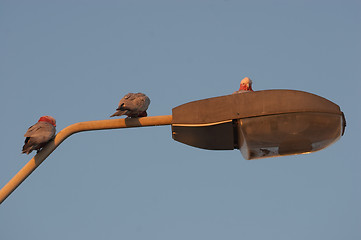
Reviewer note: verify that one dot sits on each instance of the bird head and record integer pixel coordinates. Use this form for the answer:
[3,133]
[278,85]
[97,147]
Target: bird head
[246,84]
[48,119]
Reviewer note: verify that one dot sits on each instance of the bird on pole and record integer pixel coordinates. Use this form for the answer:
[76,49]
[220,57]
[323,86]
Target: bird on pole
[133,105]
[39,134]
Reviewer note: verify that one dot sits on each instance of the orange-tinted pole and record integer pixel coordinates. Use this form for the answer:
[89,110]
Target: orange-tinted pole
[75,128]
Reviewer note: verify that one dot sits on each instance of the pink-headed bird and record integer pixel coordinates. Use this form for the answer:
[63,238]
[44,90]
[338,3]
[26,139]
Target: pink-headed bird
[245,86]
[39,134]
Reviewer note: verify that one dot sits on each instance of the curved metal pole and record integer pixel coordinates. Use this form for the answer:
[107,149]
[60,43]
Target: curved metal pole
[75,128]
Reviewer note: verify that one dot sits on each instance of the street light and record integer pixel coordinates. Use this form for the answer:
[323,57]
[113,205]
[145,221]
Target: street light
[261,124]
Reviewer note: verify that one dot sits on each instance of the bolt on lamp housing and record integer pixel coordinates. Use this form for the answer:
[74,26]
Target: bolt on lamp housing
[261,124]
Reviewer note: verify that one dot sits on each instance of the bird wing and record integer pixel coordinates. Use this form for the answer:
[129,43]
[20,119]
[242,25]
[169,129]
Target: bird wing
[41,132]
[126,102]
[135,102]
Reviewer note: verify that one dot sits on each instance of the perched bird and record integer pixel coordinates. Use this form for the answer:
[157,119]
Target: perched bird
[39,134]
[246,86]
[133,105]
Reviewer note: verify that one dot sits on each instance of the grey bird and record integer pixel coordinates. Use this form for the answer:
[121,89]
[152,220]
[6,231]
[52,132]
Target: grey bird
[133,105]
[39,134]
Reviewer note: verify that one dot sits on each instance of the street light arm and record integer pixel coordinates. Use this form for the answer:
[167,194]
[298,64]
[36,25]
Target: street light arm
[70,130]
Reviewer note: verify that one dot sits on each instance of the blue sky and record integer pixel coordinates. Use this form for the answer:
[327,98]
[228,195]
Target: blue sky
[74,60]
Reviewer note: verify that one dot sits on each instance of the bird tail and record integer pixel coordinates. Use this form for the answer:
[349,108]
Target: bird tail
[27,148]
[119,113]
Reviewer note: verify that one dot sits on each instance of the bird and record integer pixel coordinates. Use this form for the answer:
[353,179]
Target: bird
[39,134]
[245,86]
[133,105]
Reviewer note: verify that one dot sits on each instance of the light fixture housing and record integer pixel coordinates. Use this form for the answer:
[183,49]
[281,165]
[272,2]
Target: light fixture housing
[261,124]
